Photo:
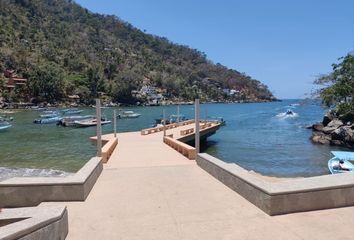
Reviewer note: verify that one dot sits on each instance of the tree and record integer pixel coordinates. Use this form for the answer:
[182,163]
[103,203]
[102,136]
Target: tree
[46,83]
[338,86]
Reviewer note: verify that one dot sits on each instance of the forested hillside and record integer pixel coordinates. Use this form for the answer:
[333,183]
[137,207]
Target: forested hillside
[64,49]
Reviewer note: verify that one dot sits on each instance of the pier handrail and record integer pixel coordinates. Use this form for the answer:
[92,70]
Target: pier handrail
[147,131]
[108,147]
[181,147]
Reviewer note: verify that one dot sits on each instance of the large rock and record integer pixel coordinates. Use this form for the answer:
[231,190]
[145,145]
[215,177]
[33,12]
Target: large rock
[343,136]
[336,143]
[328,130]
[319,137]
[335,123]
[327,118]
[317,127]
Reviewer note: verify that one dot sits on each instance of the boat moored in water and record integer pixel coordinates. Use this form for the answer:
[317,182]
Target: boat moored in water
[4,125]
[72,111]
[90,122]
[47,120]
[340,163]
[128,114]
[69,121]
[50,115]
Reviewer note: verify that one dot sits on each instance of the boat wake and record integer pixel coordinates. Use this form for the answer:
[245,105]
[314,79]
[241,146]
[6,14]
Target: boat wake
[286,115]
[6,173]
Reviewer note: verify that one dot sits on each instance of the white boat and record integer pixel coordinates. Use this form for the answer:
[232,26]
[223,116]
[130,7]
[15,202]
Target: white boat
[90,122]
[50,115]
[47,120]
[72,111]
[69,120]
[4,125]
[128,114]
[340,163]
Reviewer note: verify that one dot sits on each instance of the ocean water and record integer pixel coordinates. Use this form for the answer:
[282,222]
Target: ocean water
[257,136]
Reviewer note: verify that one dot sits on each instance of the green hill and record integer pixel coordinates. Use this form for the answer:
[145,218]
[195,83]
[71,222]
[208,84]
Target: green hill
[64,49]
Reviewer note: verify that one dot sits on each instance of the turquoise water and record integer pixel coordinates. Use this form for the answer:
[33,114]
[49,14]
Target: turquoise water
[254,137]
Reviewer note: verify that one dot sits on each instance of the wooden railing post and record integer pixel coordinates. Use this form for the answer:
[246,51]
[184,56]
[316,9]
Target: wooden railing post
[115,122]
[197,137]
[98,128]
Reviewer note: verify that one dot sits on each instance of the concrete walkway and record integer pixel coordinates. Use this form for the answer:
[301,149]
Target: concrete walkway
[149,191]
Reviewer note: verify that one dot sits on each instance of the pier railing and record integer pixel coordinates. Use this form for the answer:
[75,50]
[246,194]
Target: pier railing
[168,126]
[181,147]
[108,147]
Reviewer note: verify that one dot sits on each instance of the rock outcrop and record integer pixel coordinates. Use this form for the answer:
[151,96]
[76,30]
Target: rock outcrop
[334,130]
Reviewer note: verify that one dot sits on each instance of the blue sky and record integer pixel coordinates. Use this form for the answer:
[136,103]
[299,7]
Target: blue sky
[284,44]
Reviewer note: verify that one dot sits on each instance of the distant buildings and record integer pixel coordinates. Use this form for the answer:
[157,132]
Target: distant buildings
[13,80]
[231,92]
[151,94]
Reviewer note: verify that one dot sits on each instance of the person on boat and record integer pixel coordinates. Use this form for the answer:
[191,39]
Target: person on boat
[341,166]
[289,112]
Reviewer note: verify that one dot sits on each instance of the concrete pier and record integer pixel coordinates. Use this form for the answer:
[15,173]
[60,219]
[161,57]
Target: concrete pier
[148,190]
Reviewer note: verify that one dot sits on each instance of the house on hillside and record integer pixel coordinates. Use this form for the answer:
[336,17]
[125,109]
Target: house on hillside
[231,92]
[13,80]
[152,95]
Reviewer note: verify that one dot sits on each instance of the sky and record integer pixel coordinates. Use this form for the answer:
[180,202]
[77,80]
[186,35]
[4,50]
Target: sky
[285,44]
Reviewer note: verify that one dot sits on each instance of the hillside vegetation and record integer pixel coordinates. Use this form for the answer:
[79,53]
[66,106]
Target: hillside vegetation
[64,49]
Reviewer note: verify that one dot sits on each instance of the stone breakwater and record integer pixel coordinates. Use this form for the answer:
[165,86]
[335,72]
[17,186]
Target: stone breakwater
[334,130]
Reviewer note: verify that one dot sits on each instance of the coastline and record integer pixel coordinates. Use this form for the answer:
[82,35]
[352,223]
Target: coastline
[22,105]
[334,130]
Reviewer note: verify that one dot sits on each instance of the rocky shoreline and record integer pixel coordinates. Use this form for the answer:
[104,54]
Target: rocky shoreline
[334,130]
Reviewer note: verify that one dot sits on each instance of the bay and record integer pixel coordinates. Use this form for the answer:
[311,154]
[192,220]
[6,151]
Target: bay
[256,136]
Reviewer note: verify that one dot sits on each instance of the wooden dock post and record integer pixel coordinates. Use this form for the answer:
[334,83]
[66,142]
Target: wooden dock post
[164,122]
[115,122]
[98,128]
[178,113]
[197,135]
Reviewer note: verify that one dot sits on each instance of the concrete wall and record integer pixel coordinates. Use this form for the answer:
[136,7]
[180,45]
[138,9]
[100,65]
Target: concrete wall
[40,223]
[21,192]
[282,197]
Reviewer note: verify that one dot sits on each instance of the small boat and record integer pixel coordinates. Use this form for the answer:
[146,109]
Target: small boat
[90,122]
[49,112]
[177,118]
[159,122]
[4,125]
[6,118]
[47,120]
[218,120]
[340,163]
[128,114]
[289,112]
[72,111]
[69,120]
[50,115]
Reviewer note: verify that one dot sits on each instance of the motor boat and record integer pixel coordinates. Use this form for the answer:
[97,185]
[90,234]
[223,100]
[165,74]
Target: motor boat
[47,120]
[90,122]
[289,112]
[128,114]
[340,163]
[72,111]
[69,121]
[4,125]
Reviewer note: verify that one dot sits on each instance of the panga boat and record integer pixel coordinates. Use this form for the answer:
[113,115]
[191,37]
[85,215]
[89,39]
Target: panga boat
[128,114]
[47,120]
[69,121]
[72,111]
[4,125]
[49,115]
[340,163]
[90,122]
[177,118]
